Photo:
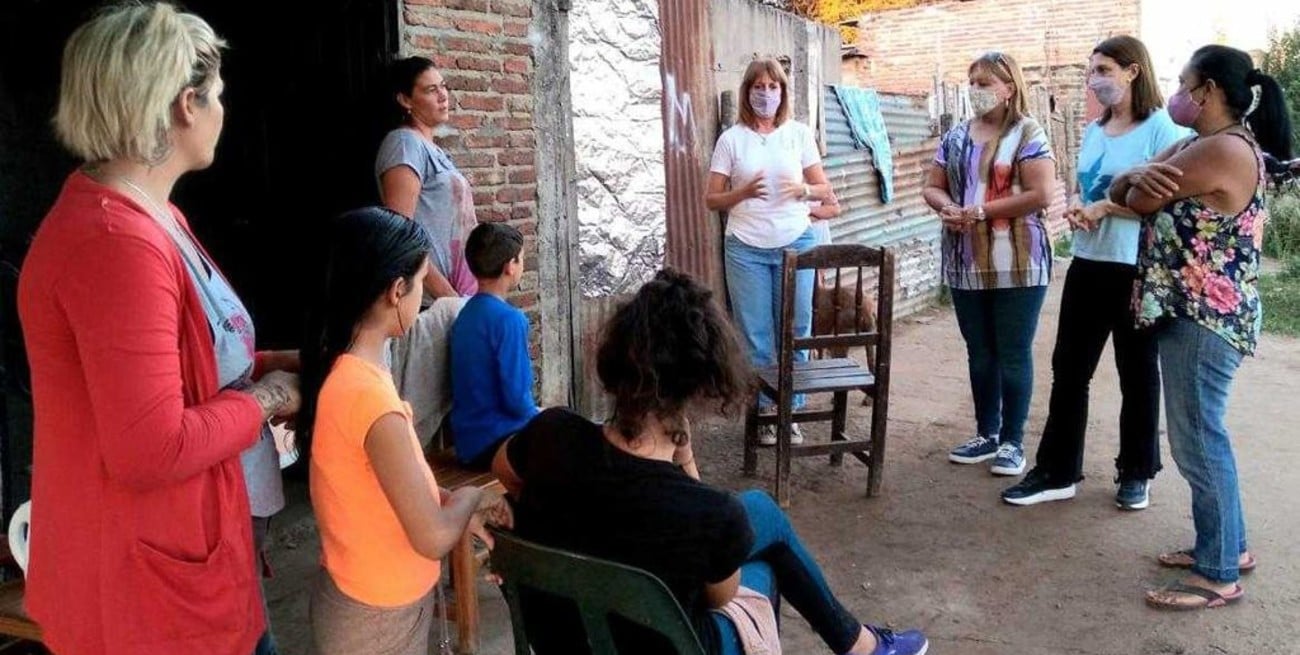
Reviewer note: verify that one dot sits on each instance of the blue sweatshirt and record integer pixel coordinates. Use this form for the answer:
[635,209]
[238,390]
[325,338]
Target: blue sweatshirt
[491,375]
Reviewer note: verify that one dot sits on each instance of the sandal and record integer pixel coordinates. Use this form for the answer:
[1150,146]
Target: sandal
[1186,559]
[1212,598]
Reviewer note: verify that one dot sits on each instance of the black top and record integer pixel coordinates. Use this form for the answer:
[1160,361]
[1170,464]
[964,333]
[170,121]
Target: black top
[583,494]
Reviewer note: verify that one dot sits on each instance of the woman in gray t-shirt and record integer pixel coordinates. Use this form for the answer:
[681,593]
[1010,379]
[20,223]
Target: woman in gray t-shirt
[418,180]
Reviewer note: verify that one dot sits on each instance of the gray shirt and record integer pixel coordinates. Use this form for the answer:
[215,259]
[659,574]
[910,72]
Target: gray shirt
[445,207]
[233,342]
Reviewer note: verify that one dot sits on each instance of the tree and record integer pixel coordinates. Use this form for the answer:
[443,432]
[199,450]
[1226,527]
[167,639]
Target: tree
[834,12]
[1282,61]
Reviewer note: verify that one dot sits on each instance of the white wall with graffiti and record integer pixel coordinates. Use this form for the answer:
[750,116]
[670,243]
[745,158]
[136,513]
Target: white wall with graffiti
[618,142]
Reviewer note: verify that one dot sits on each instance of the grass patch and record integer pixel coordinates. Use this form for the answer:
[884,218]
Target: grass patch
[1280,296]
[1062,248]
[1282,232]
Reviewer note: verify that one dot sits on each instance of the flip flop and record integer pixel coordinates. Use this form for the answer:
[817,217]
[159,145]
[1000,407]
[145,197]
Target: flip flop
[1212,598]
[1186,559]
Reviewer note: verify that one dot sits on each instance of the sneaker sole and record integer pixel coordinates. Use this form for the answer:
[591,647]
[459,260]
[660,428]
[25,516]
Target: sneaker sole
[1002,470]
[1045,496]
[1146,502]
[962,459]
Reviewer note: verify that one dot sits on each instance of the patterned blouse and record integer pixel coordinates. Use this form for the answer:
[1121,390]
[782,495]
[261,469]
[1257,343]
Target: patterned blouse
[998,253]
[1202,265]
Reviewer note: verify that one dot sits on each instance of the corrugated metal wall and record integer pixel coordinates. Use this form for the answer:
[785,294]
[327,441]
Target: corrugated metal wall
[906,224]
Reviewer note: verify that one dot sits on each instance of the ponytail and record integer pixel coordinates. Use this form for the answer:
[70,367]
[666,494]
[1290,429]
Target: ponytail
[1271,119]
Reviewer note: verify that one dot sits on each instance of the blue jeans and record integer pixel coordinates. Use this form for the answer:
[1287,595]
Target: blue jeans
[779,561]
[1197,366]
[754,282]
[998,326]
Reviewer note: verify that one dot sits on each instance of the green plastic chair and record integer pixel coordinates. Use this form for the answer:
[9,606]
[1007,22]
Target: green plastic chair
[598,587]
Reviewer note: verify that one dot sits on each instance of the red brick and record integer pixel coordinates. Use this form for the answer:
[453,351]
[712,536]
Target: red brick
[485,198]
[480,101]
[465,62]
[516,158]
[444,61]
[474,160]
[518,48]
[515,194]
[522,104]
[509,86]
[525,299]
[465,82]
[517,65]
[423,42]
[486,141]
[522,140]
[515,9]
[480,6]
[423,18]
[490,214]
[476,26]
[485,177]
[521,212]
[466,121]
[523,176]
[512,123]
[527,224]
[463,44]
[515,28]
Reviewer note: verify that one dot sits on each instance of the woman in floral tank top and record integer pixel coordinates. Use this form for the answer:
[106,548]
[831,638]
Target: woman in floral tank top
[1203,203]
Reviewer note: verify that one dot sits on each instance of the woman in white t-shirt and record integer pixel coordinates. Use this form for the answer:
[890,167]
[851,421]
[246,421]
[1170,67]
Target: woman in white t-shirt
[765,170]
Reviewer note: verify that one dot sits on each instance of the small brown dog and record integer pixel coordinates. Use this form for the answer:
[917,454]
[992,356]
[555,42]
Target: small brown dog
[834,312]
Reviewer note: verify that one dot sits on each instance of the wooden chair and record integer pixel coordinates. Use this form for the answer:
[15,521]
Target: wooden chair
[465,562]
[600,589]
[837,376]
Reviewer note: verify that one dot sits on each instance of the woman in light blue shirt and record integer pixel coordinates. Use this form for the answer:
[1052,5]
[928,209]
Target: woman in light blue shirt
[1096,301]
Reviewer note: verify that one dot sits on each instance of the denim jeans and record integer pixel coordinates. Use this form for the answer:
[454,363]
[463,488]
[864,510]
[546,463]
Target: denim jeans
[1198,366]
[1095,306]
[754,283]
[998,326]
[780,562]
[266,643]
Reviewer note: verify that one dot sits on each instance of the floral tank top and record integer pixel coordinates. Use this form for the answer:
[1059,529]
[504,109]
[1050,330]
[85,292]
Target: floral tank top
[1199,264]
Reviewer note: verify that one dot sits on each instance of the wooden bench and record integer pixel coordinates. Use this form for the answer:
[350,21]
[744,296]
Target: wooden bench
[465,563]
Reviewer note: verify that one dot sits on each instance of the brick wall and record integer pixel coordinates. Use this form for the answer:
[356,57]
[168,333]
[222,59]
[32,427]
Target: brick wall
[483,51]
[904,46]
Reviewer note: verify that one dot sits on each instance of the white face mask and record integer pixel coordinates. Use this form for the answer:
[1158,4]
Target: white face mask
[765,102]
[983,101]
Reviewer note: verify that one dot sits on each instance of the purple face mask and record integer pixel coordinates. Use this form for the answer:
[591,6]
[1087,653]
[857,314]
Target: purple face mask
[765,102]
[1182,109]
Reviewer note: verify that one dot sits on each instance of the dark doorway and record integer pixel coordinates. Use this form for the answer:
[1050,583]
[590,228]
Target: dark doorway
[305,111]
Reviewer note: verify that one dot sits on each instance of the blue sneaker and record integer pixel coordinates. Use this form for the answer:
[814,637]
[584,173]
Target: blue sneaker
[909,642]
[1133,495]
[1009,460]
[978,449]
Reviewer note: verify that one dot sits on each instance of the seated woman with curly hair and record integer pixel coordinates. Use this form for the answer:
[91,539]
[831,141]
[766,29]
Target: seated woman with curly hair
[629,490]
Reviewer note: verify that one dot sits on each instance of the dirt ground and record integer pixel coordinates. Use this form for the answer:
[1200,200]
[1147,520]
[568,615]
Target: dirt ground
[938,550]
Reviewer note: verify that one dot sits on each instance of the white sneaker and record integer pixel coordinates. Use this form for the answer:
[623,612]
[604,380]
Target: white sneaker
[767,435]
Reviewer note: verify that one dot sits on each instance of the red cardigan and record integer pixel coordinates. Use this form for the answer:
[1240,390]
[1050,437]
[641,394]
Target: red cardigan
[141,542]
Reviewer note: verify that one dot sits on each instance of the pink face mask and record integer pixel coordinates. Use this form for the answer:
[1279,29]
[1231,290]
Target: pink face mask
[1182,109]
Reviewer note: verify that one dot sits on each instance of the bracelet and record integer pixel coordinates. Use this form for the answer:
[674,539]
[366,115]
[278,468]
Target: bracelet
[979,213]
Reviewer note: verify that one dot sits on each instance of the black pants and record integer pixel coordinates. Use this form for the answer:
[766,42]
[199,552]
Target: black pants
[1095,305]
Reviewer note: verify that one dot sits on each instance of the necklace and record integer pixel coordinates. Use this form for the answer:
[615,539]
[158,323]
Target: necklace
[168,224]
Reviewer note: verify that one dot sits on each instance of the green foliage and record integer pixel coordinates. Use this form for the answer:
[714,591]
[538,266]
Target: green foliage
[1282,232]
[1279,294]
[1282,61]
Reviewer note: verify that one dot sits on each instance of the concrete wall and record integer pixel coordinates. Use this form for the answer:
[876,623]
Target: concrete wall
[744,29]
[618,139]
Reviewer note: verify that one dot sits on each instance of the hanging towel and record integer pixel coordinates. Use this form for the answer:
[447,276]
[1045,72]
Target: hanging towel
[867,124]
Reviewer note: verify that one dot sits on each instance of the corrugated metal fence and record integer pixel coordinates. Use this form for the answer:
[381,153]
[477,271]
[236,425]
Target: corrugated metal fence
[906,224]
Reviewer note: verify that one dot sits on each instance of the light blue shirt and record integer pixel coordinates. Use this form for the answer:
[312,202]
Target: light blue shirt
[1101,158]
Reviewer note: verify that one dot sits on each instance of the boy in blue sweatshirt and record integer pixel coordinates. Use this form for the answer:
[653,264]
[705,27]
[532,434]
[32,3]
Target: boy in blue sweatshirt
[491,372]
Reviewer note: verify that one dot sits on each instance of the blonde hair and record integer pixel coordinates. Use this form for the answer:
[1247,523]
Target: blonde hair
[122,71]
[774,70]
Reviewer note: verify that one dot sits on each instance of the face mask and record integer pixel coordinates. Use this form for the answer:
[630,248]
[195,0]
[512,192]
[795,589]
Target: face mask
[765,102]
[983,101]
[1182,109]
[1108,91]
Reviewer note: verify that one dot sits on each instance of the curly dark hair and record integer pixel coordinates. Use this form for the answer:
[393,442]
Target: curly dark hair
[668,349]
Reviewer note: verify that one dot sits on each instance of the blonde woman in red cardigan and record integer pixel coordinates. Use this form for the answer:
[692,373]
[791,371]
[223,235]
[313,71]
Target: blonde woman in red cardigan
[141,540]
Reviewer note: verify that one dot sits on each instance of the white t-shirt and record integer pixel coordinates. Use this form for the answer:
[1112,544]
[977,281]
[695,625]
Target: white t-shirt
[741,153]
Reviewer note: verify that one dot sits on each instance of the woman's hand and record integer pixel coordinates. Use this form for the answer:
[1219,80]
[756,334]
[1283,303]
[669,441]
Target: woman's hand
[1158,179]
[1086,218]
[794,190]
[954,218]
[755,188]
[277,394]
